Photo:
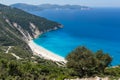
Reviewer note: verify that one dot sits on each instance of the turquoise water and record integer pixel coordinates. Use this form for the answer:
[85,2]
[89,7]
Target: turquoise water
[96,29]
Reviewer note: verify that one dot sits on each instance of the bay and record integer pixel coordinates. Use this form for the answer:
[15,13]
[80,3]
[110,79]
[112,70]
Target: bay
[97,29]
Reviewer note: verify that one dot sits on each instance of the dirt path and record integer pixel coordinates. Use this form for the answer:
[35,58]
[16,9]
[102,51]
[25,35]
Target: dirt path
[8,49]
[17,57]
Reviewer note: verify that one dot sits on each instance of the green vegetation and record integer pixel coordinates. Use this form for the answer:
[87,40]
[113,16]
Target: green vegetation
[11,36]
[21,52]
[81,63]
[24,18]
[85,63]
[29,67]
[113,72]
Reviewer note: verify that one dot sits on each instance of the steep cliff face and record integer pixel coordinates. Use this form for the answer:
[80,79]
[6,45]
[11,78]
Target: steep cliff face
[17,26]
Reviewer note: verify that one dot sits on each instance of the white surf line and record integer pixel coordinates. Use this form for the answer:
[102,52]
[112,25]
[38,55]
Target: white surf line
[8,49]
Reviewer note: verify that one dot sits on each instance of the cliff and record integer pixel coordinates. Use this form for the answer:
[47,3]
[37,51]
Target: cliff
[17,26]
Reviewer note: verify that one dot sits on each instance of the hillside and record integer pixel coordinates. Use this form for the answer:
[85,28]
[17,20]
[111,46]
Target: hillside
[18,63]
[18,27]
[27,7]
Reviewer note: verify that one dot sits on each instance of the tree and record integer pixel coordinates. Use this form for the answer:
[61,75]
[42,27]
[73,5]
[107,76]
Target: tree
[86,63]
[103,60]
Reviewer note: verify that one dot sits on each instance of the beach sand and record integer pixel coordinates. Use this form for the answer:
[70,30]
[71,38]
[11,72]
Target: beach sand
[46,54]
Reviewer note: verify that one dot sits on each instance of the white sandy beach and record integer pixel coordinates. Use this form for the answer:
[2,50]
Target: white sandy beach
[46,54]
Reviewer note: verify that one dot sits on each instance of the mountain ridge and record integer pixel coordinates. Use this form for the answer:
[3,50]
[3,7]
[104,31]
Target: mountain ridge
[25,24]
[28,7]
[17,27]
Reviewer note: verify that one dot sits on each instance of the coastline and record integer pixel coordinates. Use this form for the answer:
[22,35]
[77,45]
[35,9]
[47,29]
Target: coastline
[44,53]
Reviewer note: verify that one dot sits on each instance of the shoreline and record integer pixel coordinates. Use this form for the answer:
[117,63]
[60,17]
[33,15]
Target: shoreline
[44,53]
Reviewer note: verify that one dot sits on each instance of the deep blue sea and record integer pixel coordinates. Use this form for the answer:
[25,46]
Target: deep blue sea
[98,28]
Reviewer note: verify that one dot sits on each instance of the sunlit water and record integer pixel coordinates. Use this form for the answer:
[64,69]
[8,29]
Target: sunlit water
[96,29]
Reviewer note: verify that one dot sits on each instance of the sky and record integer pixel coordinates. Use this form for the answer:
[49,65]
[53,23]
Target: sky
[91,3]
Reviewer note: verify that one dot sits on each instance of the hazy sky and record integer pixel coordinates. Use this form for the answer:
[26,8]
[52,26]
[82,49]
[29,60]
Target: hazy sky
[98,3]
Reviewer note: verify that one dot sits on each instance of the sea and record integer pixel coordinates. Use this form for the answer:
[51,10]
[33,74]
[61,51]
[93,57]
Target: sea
[96,29]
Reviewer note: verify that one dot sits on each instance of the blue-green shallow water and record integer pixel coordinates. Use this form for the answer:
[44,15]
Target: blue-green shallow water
[95,29]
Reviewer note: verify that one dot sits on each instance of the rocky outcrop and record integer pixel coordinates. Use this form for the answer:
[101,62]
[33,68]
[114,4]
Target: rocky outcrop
[23,32]
[35,31]
[18,27]
[26,36]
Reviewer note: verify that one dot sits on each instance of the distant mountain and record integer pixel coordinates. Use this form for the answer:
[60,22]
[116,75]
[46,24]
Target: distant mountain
[17,27]
[50,6]
[27,7]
